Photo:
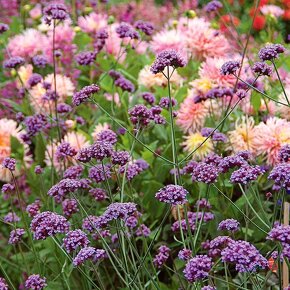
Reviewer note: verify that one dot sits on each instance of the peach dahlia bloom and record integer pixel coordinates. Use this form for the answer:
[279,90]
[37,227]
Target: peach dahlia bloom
[8,129]
[193,140]
[243,136]
[75,139]
[270,137]
[93,22]
[24,73]
[147,79]
[282,109]
[191,116]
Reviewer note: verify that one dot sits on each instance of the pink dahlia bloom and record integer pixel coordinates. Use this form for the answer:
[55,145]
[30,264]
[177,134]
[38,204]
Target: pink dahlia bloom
[203,42]
[93,22]
[270,137]
[28,43]
[191,116]
[168,39]
[210,69]
[113,44]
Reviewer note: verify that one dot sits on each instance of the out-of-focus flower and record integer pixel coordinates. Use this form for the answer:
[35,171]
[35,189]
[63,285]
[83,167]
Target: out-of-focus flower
[76,141]
[191,116]
[243,137]
[272,10]
[93,22]
[149,80]
[270,137]
[27,44]
[9,129]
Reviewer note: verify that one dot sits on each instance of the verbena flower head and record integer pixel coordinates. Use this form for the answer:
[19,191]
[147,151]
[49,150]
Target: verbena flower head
[88,253]
[208,288]
[7,187]
[98,193]
[47,224]
[35,282]
[246,174]
[3,27]
[161,257]
[34,80]
[230,67]
[9,163]
[197,268]
[75,239]
[280,174]
[284,153]
[172,194]
[55,11]
[148,97]
[134,168]
[280,233]
[107,135]
[213,6]
[15,236]
[85,93]
[261,68]
[144,26]
[204,172]
[73,172]
[3,284]
[143,230]
[244,256]
[167,58]
[124,84]
[40,61]
[100,173]
[271,51]
[119,210]
[34,208]
[85,57]
[120,157]
[13,62]
[231,225]
[184,254]
[69,207]
[11,217]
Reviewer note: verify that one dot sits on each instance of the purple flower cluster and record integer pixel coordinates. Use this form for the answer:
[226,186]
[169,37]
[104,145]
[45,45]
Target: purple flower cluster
[89,223]
[271,51]
[172,194]
[213,6]
[75,239]
[261,68]
[59,190]
[208,287]
[124,84]
[7,187]
[69,207]
[280,233]
[86,57]
[34,124]
[184,254]
[3,284]
[284,153]
[125,30]
[167,58]
[120,157]
[216,245]
[82,95]
[246,174]
[34,80]
[64,150]
[3,27]
[47,224]
[15,236]
[35,282]
[203,172]
[40,61]
[165,102]
[230,67]
[9,163]
[244,255]
[34,208]
[144,26]
[107,136]
[73,172]
[11,217]
[203,203]
[98,193]
[100,173]
[215,135]
[148,97]
[231,225]
[13,62]
[88,253]
[281,175]
[161,257]
[197,268]
[63,108]
[55,11]
[193,218]
[143,230]
[134,168]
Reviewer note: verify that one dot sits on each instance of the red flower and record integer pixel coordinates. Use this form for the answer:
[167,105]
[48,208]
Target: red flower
[259,22]
[228,21]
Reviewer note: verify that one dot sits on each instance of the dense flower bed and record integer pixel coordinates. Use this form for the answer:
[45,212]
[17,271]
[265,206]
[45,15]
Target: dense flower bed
[145,146]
